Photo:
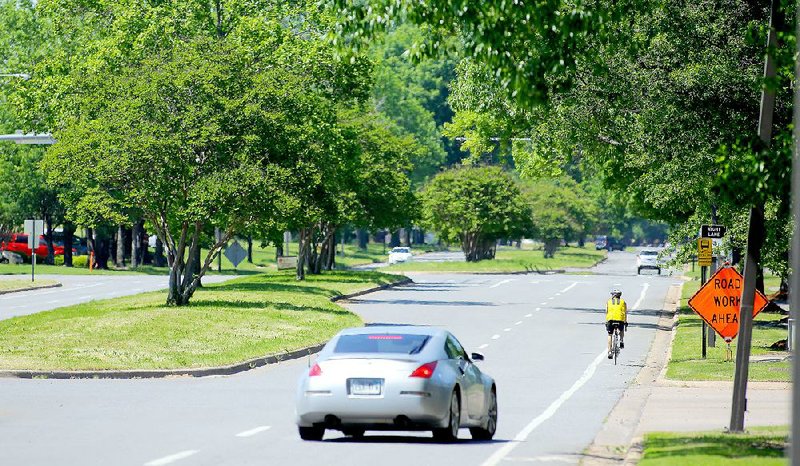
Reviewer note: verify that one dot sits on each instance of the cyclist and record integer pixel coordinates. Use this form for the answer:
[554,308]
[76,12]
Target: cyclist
[616,313]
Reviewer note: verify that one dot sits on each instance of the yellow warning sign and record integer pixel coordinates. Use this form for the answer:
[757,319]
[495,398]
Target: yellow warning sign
[704,252]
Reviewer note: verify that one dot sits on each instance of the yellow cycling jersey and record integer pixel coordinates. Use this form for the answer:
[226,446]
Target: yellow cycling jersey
[616,309]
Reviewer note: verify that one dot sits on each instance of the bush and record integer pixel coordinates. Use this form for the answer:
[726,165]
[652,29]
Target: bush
[77,261]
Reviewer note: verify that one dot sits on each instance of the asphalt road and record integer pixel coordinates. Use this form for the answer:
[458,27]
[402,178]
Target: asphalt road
[82,288]
[544,342]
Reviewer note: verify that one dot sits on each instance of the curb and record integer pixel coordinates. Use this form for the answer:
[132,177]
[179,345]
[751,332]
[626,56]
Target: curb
[341,297]
[199,372]
[32,288]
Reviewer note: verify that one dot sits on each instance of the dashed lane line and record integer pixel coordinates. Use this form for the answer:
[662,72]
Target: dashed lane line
[507,329]
[518,323]
[501,282]
[253,431]
[495,337]
[483,346]
[530,315]
[574,284]
[171,458]
[538,309]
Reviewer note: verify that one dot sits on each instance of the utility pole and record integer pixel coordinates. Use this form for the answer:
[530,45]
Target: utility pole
[794,280]
[755,238]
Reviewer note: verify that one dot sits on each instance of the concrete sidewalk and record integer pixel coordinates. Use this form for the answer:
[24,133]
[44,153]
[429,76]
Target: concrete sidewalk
[652,403]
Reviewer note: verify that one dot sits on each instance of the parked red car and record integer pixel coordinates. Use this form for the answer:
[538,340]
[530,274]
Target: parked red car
[18,243]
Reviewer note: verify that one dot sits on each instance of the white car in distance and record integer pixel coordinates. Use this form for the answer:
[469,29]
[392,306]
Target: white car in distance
[397,255]
[648,259]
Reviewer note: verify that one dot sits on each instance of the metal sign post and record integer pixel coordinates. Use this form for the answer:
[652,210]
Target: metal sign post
[33,228]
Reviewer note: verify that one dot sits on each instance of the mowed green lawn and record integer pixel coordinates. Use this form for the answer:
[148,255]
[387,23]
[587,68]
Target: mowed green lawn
[14,284]
[686,362]
[510,259]
[761,446]
[226,323]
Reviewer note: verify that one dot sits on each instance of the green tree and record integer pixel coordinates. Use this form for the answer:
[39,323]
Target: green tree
[561,210]
[475,206]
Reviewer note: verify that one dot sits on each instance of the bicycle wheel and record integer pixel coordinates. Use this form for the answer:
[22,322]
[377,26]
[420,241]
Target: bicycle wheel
[615,347]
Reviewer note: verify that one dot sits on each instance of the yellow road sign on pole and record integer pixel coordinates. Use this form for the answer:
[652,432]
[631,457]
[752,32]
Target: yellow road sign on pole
[704,252]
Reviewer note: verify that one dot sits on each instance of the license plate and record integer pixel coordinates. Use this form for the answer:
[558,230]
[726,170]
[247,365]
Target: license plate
[365,386]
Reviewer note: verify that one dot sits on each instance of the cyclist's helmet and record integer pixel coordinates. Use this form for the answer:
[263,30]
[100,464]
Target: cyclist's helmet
[616,293]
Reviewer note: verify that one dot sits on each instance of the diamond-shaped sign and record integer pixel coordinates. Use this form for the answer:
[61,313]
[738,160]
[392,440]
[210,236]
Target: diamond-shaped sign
[235,253]
[719,300]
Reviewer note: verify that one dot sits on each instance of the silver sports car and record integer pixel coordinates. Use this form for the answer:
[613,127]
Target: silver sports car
[396,378]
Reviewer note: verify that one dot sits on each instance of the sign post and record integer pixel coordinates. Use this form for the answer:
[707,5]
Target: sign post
[704,253]
[33,228]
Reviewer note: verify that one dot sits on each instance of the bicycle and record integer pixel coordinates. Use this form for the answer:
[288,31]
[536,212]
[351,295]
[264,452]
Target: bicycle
[615,342]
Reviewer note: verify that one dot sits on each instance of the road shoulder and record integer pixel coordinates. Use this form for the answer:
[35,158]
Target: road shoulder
[654,403]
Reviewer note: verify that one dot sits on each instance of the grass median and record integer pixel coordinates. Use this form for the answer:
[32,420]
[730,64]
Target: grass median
[687,363]
[8,286]
[510,259]
[761,446]
[225,323]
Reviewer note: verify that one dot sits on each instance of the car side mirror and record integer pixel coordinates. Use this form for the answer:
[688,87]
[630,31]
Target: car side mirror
[477,357]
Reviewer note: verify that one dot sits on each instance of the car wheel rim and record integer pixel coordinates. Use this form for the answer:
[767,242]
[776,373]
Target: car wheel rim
[491,425]
[455,418]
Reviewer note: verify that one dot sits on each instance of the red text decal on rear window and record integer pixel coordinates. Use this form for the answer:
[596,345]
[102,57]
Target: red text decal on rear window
[385,337]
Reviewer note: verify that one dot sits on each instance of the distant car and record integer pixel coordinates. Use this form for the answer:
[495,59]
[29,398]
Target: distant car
[396,378]
[397,255]
[647,259]
[18,243]
[601,242]
[615,245]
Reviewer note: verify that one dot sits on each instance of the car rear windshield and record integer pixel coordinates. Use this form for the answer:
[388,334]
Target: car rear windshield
[21,239]
[648,253]
[381,343]
[400,250]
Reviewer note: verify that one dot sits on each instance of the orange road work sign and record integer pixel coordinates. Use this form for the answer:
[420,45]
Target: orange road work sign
[719,300]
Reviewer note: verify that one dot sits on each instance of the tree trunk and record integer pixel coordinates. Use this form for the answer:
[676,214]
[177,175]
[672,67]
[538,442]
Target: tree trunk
[363,239]
[119,259]
[395,239]
[407,232]
[51,251]
[278,251]
[301,255]
[136,243]
[101,249]
[550,247]
[250,249]
[69,232]
[159,259]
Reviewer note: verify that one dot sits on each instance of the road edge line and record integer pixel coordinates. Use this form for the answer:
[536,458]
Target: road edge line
[32,288]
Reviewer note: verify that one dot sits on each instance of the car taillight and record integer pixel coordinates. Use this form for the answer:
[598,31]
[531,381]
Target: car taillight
[314,371]
[424,371]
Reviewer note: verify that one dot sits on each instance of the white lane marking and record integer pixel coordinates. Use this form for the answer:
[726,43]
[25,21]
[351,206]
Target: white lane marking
[506,329]
[558,294]
[544,303]
[85,297]
[171,458]
[530,315]
[645,286]
[540,281]
[522,436]
[518,323]
[495,337]
[136,289]
[53,301]
[538,309]
[574,284]
[483,346]
[501,282]
[550,298]
[254,431]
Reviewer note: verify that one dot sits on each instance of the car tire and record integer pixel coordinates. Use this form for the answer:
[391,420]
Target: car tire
[639,271]
[449,434]
[658,270]
[487,432]
[311,433]
[354,432]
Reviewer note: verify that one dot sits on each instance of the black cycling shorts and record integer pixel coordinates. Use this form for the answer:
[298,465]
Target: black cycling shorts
[610,325]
